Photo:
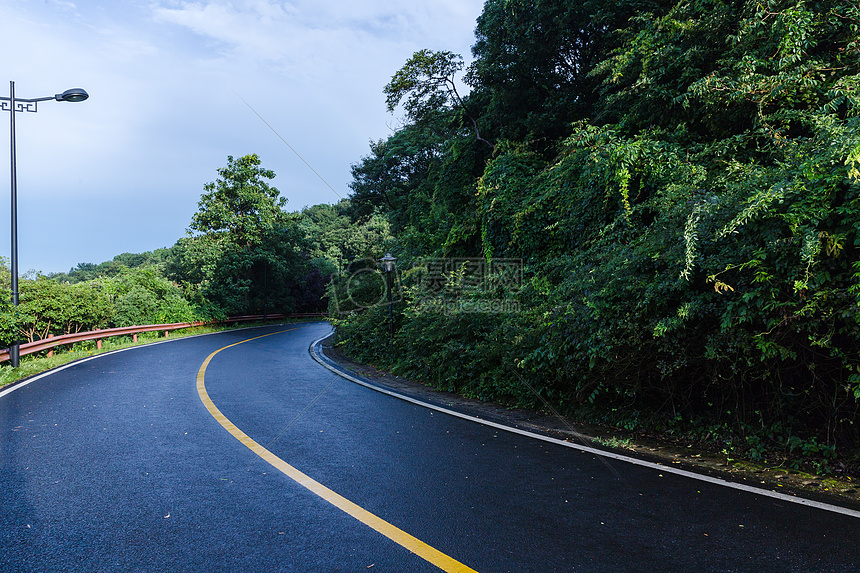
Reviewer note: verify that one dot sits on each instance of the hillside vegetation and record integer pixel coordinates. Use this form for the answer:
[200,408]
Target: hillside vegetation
[643,213]
[680,183]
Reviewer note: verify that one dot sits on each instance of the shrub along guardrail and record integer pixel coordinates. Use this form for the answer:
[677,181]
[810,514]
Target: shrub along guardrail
[98,335]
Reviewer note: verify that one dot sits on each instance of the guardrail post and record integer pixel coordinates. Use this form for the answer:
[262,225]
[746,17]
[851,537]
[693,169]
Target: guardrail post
[99,344]
[166,334]
[134,338]
[51,351]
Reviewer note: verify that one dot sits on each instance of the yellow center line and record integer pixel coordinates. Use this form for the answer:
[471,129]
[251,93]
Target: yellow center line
[393,533]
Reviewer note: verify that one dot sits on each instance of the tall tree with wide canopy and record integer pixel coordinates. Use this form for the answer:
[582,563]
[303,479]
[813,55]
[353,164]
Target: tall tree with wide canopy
[427,83]
[243,249]
[533,60]
[241,206]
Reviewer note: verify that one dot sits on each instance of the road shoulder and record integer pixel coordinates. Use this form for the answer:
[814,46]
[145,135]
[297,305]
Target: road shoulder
[843,493]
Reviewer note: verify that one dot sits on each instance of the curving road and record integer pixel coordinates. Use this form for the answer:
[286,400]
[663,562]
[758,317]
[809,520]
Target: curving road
[239,452]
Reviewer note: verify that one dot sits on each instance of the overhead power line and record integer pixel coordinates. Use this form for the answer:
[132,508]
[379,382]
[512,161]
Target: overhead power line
[287,144]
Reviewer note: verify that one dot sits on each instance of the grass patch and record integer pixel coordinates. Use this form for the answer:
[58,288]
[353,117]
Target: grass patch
[613,442]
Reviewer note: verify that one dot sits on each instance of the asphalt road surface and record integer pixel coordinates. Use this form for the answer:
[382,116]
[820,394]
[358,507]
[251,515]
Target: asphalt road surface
[238,452]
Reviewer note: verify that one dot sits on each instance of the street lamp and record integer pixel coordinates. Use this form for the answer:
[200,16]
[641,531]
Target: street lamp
[14,105]
[388,266]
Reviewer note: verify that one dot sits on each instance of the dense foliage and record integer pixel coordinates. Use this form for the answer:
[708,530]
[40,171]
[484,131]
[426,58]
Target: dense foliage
[680,181]
[243,253]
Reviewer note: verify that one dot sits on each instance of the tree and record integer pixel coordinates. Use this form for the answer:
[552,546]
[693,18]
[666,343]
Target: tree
[241,206]
[243,252]
[427,81]
[143,295]
[398,170]
[334,238]
[88,271]
[9,317]
[534,61]
[48,307]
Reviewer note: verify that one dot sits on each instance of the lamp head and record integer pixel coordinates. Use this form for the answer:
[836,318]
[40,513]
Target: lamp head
[388,262]
[74,94]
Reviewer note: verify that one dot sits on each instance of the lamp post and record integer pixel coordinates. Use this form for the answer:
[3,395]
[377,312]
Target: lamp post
[388,266]
[14,105]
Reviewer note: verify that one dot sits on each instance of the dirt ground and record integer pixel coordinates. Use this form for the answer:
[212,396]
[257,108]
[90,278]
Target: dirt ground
[838,491]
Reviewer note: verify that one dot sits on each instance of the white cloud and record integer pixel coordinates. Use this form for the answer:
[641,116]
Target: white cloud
[248,31]
[130,162]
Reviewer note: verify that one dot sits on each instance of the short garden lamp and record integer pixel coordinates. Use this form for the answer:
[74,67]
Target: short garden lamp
[388,263]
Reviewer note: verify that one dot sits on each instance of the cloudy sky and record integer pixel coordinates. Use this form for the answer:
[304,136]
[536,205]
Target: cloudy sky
[175,87]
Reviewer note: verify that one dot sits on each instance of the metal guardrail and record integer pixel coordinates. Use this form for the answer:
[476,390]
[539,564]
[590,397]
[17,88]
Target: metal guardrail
[98,335]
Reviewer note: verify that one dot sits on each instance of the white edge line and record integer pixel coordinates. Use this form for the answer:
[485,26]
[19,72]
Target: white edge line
[622,458]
